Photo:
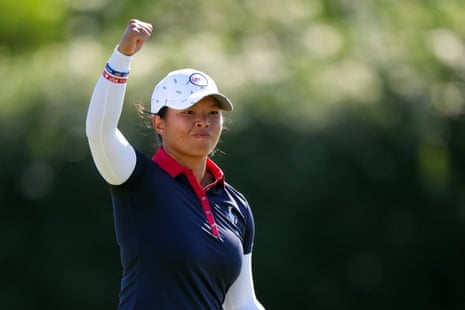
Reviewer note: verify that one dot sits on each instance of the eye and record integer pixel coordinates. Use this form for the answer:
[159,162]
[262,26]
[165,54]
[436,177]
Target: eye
[215,112]
[188,112]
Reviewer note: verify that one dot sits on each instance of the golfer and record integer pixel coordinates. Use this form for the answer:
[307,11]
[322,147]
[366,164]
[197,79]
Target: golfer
[185,235]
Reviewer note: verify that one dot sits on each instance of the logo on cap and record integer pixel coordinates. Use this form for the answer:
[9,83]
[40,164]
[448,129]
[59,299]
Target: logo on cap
[198,79]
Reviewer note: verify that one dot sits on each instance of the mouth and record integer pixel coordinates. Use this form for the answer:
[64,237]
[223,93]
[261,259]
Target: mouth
[201,135]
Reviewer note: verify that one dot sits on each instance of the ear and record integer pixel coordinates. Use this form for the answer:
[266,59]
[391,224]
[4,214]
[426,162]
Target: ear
[158,124]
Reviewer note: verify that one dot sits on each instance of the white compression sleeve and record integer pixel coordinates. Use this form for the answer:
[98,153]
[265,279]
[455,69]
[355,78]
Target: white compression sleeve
[241,295]
[114,157]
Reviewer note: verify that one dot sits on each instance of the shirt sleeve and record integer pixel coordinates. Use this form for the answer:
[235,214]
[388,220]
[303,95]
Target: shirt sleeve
[113,156]
[249,232]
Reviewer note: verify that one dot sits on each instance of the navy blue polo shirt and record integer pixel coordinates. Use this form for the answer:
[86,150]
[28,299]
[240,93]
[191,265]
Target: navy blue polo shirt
[170,255]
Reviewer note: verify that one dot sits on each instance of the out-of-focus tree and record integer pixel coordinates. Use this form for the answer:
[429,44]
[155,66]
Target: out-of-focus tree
[347,138]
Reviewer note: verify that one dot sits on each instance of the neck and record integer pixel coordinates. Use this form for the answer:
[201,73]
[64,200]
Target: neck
[196,164]
[199,169]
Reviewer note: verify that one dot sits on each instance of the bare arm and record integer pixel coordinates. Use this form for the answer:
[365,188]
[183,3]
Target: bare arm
[241,295]
[114,157]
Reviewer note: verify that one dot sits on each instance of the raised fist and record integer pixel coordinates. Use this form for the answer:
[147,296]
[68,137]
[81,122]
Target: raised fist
[136,33]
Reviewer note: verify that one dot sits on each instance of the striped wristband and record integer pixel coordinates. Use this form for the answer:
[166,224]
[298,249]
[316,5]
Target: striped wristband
[115,72]
[115,76]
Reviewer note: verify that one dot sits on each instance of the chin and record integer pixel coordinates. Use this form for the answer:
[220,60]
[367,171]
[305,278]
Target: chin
[203,148]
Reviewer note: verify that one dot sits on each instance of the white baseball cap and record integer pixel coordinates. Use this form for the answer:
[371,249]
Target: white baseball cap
[183,88]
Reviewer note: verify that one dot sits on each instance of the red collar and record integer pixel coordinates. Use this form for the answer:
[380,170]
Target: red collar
[173,168]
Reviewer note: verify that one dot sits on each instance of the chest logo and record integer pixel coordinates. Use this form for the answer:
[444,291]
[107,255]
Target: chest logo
[231,216]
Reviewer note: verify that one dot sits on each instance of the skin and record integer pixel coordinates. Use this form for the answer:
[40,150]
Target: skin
[134,37]
[190,135]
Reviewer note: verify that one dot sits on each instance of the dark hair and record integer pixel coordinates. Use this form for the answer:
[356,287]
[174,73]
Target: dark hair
[147,118]
[162,114]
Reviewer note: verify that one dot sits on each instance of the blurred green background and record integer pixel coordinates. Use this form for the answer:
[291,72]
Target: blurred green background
[347,138]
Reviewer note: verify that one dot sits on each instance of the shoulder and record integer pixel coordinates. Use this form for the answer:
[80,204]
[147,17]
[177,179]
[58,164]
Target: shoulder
[240,201]
[237,194]
[144,168]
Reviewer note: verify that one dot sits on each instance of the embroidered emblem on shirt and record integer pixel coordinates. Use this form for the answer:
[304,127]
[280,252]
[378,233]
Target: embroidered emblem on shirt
[231,216]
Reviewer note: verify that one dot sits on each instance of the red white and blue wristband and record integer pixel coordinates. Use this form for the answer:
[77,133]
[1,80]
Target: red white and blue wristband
[115,76]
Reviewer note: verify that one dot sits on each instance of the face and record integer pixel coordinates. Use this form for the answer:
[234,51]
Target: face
[191,133]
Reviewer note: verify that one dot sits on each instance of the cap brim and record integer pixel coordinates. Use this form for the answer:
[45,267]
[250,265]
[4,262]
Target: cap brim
[224,101]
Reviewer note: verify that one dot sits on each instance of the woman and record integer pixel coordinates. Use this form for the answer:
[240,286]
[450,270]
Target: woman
[185,234]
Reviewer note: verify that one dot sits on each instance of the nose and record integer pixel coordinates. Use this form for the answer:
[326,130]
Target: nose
[202,121]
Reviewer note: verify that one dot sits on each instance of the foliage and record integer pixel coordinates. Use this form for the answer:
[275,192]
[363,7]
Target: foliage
[347,138]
